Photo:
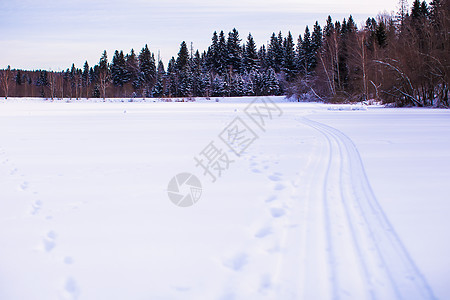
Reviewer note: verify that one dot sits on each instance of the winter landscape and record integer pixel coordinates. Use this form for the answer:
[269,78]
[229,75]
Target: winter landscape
[234,150]
[329,202]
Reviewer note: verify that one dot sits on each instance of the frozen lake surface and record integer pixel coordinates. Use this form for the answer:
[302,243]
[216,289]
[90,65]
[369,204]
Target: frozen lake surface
[297,200]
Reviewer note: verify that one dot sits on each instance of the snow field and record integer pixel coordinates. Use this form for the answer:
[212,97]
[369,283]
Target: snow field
[325,204]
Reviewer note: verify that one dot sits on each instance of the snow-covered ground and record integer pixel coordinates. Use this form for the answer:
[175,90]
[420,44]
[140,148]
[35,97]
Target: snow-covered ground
[323,202]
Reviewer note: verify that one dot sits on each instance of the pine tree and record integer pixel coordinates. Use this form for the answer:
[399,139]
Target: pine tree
[271,84]
[316,45]
[132,67]
[212,54]
[85,81]
[305,52]
[250,55]
[159,87]
[183,57]
[184,72]
[234,54]
[275,52]
[347,43]
[172,81]
[197,67]
[221,55]
[289,67]
[237,86]
[219,87]
[258,83]
[263,59]
[147,70]
[381,35]
[416,11]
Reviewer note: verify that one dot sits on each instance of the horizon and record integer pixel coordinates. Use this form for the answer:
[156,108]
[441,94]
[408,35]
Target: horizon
[48,35]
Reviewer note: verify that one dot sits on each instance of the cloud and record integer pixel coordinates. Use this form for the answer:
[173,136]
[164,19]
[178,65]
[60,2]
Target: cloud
[55,33]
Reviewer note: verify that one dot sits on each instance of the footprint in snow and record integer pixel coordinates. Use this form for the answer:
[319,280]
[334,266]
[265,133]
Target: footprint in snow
[237,262]
[71,289]
[49,241]
[271,199]
[279,187]
[23,186]
[277,212]
[275,177]
[263,232]
[36,206]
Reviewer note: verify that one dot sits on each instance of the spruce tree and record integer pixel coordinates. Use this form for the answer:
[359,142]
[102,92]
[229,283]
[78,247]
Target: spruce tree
[275,52]
[289,67]
[147,70]
[237,86]
[381,35]
[85,79]
[316,45]
[119,72]
[132,67]
[271,84]
[172,81]
[219,87]
[305,52]
[158,88]
[263,59]
[234,54]
[212,54]
[250,59]
[184,72]
[221,55]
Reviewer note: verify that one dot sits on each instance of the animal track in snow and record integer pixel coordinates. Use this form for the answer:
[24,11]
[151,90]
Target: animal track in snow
[49,241]
[277,212]
[36,206]
[271,199]
[71,290]
[237,262]
[263,232]
[275,177]
[279,187]
[24,186]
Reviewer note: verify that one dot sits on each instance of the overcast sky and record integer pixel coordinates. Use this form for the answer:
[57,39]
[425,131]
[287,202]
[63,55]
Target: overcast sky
[53,34]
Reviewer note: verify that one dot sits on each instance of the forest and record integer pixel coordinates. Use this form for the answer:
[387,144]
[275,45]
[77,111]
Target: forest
[401,59]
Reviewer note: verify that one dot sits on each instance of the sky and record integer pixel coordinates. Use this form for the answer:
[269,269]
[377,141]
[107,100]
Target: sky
[53,34]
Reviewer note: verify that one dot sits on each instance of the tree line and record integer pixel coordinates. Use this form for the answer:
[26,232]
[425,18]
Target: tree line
[400,58]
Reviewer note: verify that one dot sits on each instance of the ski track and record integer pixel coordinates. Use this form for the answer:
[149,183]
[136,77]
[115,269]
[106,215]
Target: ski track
[366,259]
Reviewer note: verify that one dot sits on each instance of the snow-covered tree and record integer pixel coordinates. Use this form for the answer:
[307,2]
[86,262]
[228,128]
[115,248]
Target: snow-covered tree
[289,66]
[147,70]
[250,55]
[234,51]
